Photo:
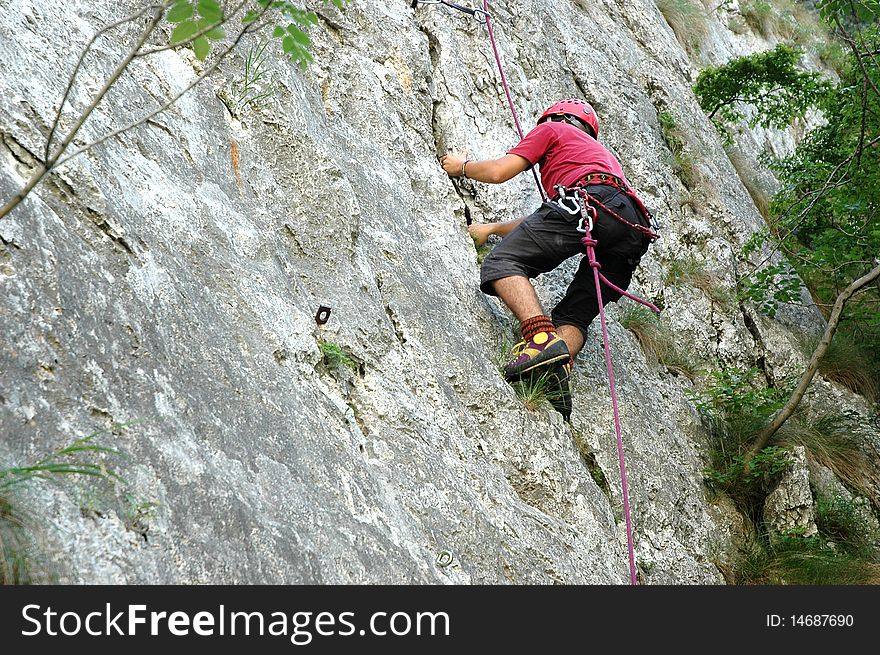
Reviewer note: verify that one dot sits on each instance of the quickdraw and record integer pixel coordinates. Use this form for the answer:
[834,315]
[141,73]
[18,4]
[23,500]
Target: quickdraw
[478,15]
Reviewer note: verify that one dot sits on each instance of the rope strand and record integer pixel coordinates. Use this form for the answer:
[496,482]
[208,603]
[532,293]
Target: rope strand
[589,243]
[507,90]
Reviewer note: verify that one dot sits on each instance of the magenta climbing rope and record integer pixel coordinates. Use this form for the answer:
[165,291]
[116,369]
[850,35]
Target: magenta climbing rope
[513,111]
[590,243]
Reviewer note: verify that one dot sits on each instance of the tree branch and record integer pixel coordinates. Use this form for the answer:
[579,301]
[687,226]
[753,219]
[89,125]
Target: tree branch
[165,106]
[202,32]
[50,163]
[763,437]
[70,82]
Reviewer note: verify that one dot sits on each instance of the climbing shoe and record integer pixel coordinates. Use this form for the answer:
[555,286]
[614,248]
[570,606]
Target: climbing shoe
[560,388]
[542,349]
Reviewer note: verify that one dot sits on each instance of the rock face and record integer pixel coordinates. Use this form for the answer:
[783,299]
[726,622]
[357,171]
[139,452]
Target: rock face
[788,509]
[171,276]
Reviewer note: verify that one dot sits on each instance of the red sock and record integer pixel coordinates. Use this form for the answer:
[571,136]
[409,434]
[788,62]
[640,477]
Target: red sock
[531,326]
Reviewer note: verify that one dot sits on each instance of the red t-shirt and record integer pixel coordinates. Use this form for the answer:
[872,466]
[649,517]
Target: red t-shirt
[565,154]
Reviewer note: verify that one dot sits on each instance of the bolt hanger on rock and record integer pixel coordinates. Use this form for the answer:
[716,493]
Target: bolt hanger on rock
[323,315]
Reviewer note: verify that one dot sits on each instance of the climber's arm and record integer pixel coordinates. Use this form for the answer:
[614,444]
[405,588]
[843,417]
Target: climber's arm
[480,231]
[493,171]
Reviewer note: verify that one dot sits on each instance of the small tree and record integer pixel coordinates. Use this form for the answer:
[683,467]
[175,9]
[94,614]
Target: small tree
[825,219]
[771,81]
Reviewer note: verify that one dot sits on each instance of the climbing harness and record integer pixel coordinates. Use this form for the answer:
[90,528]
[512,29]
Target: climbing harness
[575,200]
[612,180]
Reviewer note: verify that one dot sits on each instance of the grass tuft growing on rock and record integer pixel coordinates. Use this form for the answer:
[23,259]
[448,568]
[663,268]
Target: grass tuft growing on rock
[689,271]
[801,560]
[17,525]
[536,391]
[657,340]
[335,355]
[831,440]
[850,363]
[682,163]
[688,21]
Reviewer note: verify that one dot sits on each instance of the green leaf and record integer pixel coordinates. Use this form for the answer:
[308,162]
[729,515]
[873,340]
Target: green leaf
[184,31]
[210,10]
[180,11]
[278,32]
[250,17]
[300,36]
[216,34]
[201,46]
[288,44]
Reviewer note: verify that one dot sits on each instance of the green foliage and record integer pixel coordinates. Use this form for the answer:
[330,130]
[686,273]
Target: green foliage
[771,285]
[748,488]
[257,83]
[771,81]
[687,20]
[734,391]
[864,11]
[825,219]
[829,223]
[802,560]
[16,542]
[842,553]
[199,22]
[842,522]
[734,408]
[335,355]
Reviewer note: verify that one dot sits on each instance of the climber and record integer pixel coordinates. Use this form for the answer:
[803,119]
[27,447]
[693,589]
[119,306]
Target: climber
[564,145]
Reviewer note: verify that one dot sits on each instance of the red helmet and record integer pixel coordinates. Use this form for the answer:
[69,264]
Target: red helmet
[576,108]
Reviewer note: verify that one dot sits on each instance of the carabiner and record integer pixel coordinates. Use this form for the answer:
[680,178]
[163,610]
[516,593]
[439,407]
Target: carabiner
[588,213]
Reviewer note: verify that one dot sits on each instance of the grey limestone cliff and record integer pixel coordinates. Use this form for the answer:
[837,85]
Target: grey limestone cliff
[171,275]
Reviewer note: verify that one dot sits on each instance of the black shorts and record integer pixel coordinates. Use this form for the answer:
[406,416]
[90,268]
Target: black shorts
[548,237]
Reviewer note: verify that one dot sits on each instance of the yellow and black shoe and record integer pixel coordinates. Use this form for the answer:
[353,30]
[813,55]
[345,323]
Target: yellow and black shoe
[543,349]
